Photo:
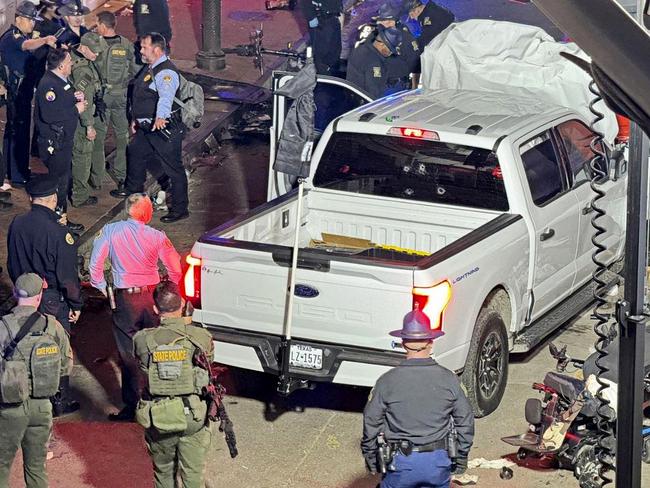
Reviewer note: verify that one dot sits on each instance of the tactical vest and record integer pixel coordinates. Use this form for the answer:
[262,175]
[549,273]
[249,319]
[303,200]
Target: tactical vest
[114,65]
[145,100]
[33,369]
[171,369]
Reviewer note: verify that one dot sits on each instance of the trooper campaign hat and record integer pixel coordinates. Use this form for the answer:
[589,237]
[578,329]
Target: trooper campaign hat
[390,37]
[387,12]
[28,285]
[73,9]
[416,327]
[27,10]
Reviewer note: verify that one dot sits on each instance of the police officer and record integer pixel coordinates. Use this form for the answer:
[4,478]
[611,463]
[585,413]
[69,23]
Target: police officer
[158,128]
[134,249]
[368,65]
[85,78]
[38,243]
[413,406]
[32,344]
[324,33]
[58,107]
[173,413]
[49,24]
[432,19]
[403,68]
[117,67]
[73,20]
[16,49]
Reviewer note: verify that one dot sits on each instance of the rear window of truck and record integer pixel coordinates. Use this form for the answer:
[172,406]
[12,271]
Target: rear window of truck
[412,169]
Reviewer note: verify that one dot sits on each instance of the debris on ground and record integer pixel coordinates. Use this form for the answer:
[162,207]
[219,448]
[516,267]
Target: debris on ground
[465,479]
[490,464]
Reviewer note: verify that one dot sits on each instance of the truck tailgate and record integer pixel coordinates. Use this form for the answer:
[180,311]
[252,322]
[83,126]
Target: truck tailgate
[348,303]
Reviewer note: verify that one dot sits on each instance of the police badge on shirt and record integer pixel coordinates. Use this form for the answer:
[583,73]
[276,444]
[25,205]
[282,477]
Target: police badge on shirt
[376,71]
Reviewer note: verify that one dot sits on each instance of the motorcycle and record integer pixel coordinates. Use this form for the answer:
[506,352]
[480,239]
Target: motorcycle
[563,425]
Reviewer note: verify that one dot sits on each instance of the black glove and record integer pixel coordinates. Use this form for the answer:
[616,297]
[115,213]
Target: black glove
[459,465]
[371,462]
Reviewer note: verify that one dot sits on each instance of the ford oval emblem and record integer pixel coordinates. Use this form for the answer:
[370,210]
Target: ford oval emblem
[305,291]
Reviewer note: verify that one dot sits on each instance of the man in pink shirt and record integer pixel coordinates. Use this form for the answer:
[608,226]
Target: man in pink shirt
[134,250]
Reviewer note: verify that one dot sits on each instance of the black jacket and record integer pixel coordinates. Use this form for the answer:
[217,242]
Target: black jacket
[368,69]
[433,19]
[37,243]
[152,16]
[55,108]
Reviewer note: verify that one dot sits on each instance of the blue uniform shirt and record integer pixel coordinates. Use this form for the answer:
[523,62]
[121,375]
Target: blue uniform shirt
[11,50]
[166,83]
[134,249]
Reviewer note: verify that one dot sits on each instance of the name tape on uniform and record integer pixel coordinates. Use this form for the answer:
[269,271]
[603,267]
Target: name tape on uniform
[169,356]
[47,350]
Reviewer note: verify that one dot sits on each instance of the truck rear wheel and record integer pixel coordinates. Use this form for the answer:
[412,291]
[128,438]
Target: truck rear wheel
[486,369]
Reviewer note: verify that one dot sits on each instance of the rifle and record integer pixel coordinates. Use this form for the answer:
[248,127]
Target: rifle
[214,393]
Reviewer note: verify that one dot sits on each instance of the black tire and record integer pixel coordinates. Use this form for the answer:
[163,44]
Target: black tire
[485,379]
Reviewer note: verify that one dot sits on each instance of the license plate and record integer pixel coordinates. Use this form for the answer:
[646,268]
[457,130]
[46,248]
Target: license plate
[306,357]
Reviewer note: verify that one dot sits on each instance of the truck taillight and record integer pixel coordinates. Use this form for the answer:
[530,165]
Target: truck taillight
[432,300]
[192,281]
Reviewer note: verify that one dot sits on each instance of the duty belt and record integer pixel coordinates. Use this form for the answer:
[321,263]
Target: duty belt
[407,447]
[433,446]
[136,289]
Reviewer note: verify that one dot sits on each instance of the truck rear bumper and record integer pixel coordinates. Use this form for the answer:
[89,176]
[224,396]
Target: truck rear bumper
[341,364]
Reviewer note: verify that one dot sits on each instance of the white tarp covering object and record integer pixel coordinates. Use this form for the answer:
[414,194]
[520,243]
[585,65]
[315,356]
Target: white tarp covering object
[487,55]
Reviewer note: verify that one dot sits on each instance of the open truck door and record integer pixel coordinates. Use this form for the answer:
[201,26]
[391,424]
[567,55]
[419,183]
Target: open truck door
[333,97]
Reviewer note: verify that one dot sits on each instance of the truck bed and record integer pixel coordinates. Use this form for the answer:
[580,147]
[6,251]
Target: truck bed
[409,226]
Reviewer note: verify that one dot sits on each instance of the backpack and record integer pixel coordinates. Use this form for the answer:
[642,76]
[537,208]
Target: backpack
[191,100]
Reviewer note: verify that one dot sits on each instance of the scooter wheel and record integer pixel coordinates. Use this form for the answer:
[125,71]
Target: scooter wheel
[645,452]
[522,454]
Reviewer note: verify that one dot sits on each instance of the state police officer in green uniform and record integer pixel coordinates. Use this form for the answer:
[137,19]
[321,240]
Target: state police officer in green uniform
[85,78]
[117,67]
[173,412]
[35,354]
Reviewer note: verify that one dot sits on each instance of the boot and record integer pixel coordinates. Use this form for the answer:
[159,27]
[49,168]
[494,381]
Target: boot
[120,191]
[62,402]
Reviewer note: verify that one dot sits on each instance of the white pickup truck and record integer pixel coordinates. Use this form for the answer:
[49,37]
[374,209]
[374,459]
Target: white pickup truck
[476,198]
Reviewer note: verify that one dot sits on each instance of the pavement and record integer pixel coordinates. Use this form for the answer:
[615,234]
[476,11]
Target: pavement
[312,440]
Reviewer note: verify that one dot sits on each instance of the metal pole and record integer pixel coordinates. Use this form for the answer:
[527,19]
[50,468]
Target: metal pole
[632,331]
[294,263]
[211,57]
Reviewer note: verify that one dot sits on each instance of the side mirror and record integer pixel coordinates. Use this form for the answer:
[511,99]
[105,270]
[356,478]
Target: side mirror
[618,163]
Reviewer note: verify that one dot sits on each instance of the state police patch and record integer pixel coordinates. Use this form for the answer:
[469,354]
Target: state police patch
[50,96]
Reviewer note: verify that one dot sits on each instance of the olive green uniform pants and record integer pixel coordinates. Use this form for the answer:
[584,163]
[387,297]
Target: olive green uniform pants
[188,452]
[27,426]
[116,118]
[82,171]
